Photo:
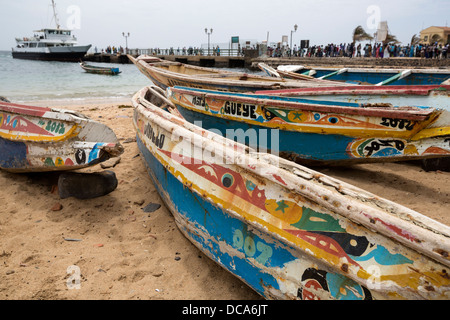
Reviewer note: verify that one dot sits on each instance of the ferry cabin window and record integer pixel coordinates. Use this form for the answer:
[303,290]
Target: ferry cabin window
[33,45]
[63,32]
[41,45]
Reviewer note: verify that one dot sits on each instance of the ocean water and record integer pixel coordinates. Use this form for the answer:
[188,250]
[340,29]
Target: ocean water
[53,82]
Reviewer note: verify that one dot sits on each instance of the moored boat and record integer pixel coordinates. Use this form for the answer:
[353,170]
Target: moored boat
[364,76]
[287,231]
[316,130]
[167,74]
[99,70]
[50,44]
[39,139]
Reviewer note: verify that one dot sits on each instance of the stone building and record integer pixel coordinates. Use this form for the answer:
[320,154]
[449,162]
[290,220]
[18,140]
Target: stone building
[430,35]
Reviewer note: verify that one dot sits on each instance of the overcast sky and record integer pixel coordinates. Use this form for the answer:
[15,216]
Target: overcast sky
[178,23]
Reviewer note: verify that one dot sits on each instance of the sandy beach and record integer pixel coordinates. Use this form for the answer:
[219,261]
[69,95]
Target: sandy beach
[125,253]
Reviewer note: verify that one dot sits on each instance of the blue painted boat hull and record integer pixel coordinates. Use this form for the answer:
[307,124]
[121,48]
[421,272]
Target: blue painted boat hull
[376,77]
[267,123]
[223,236]
[308,147]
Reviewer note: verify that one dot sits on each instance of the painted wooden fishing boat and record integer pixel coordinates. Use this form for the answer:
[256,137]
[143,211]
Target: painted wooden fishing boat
[100,70]
[325,131]
[365,76]
[167,74]
[39,139]
[287,231]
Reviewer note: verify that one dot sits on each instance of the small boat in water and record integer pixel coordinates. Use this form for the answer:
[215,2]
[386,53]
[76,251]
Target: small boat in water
[39,139]
[409,123]
[167,74]
[285,230]
[363,76]
[99,70]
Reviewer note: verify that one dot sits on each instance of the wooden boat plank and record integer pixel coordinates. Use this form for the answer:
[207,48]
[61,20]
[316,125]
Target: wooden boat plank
[346,90]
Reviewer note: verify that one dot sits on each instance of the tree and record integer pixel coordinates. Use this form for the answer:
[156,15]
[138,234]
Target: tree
[359,34]
[415,40]
[390,39]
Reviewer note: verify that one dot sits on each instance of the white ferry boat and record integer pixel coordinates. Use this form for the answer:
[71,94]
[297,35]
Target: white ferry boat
[50,44]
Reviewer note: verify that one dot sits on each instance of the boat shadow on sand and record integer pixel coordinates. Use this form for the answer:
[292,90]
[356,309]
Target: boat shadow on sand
[407,177]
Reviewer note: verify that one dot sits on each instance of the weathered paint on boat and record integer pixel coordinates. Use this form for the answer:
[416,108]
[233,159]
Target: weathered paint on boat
[167,74]
[44,139]
[368,76]
[321,131]
[100,70]
[287,231]
[435,96]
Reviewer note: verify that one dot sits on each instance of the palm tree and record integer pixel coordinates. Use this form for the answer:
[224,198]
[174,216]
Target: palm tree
[415,40]
[390,38]
[359,34]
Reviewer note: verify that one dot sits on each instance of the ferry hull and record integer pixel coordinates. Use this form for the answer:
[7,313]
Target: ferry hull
[74,55]
[66,57]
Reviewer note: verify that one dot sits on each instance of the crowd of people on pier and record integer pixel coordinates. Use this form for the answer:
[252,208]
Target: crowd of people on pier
[377,50]
[112,50]
[190,51]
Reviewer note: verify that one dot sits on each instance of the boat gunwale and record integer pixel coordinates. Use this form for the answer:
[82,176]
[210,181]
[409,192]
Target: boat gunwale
[419,90]
[45,112]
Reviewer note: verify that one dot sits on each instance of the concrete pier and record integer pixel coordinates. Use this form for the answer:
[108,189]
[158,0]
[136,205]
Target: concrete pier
[251,61]
[203,61]
[198,60]
[107,58]
[210,61]
[341,62]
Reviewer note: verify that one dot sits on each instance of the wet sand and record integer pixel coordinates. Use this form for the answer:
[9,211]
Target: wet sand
[125,253]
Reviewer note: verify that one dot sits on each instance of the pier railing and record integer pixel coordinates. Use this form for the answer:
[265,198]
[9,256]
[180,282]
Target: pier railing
[188,52]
